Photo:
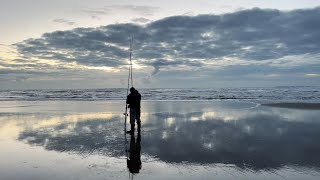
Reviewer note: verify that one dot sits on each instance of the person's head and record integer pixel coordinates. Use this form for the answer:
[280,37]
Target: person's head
[132,89]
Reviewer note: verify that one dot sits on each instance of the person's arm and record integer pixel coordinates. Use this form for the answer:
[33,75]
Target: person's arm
[129,100]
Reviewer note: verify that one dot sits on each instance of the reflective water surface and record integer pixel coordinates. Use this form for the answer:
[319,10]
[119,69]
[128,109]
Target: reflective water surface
[178,140]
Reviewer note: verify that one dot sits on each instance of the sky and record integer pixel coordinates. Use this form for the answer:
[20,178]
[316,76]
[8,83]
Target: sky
[176,44]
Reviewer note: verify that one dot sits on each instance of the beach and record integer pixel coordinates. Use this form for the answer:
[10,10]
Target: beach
[157,90]
[307,106]
[179,140]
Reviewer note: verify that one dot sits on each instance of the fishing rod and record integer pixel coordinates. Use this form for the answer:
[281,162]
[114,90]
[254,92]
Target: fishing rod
[131,43]
[126,110]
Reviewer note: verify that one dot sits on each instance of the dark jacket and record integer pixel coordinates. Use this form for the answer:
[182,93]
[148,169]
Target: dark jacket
[134,99]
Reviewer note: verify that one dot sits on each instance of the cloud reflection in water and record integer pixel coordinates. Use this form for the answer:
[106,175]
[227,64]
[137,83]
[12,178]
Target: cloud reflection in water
[259,140]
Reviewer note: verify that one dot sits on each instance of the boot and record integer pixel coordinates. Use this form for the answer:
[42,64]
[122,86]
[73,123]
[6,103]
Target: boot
[132,130]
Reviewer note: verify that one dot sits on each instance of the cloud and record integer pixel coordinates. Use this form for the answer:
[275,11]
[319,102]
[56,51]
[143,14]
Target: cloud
[140,20]
[64,21]
[163,63]
[116,9]
[243,43]
[313,75]
[141,10]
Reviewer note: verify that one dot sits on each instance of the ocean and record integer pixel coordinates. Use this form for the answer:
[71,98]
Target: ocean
[304,94]
[217,133]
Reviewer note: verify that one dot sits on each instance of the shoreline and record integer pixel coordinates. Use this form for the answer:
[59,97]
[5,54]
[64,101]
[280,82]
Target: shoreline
[296,105]
[65,105]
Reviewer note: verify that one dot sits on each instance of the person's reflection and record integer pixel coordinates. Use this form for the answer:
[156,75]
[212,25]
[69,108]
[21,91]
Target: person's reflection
[134,158]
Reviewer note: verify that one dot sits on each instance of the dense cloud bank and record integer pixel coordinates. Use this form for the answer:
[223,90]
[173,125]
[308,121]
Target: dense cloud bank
[254,36]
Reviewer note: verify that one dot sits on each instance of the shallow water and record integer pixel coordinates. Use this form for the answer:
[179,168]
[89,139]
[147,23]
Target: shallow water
[179,140]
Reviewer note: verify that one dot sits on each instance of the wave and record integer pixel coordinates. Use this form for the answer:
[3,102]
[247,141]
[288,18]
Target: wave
[275,94]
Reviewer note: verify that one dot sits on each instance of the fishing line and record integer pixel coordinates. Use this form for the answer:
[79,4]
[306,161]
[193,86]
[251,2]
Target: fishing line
[126,110]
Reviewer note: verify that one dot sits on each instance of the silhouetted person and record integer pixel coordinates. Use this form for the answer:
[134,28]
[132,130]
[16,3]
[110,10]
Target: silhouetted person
[134,99]
[134,160]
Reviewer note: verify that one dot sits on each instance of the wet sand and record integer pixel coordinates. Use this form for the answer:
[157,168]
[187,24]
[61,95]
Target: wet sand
[306,106]
[179,140]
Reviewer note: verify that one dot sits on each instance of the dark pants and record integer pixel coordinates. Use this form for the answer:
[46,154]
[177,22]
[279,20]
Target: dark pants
[135,116]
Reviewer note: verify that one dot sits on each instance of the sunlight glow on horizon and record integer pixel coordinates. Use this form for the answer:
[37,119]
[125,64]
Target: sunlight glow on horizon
[77,43]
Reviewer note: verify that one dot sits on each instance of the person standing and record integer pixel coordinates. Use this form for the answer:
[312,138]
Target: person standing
[133,101]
